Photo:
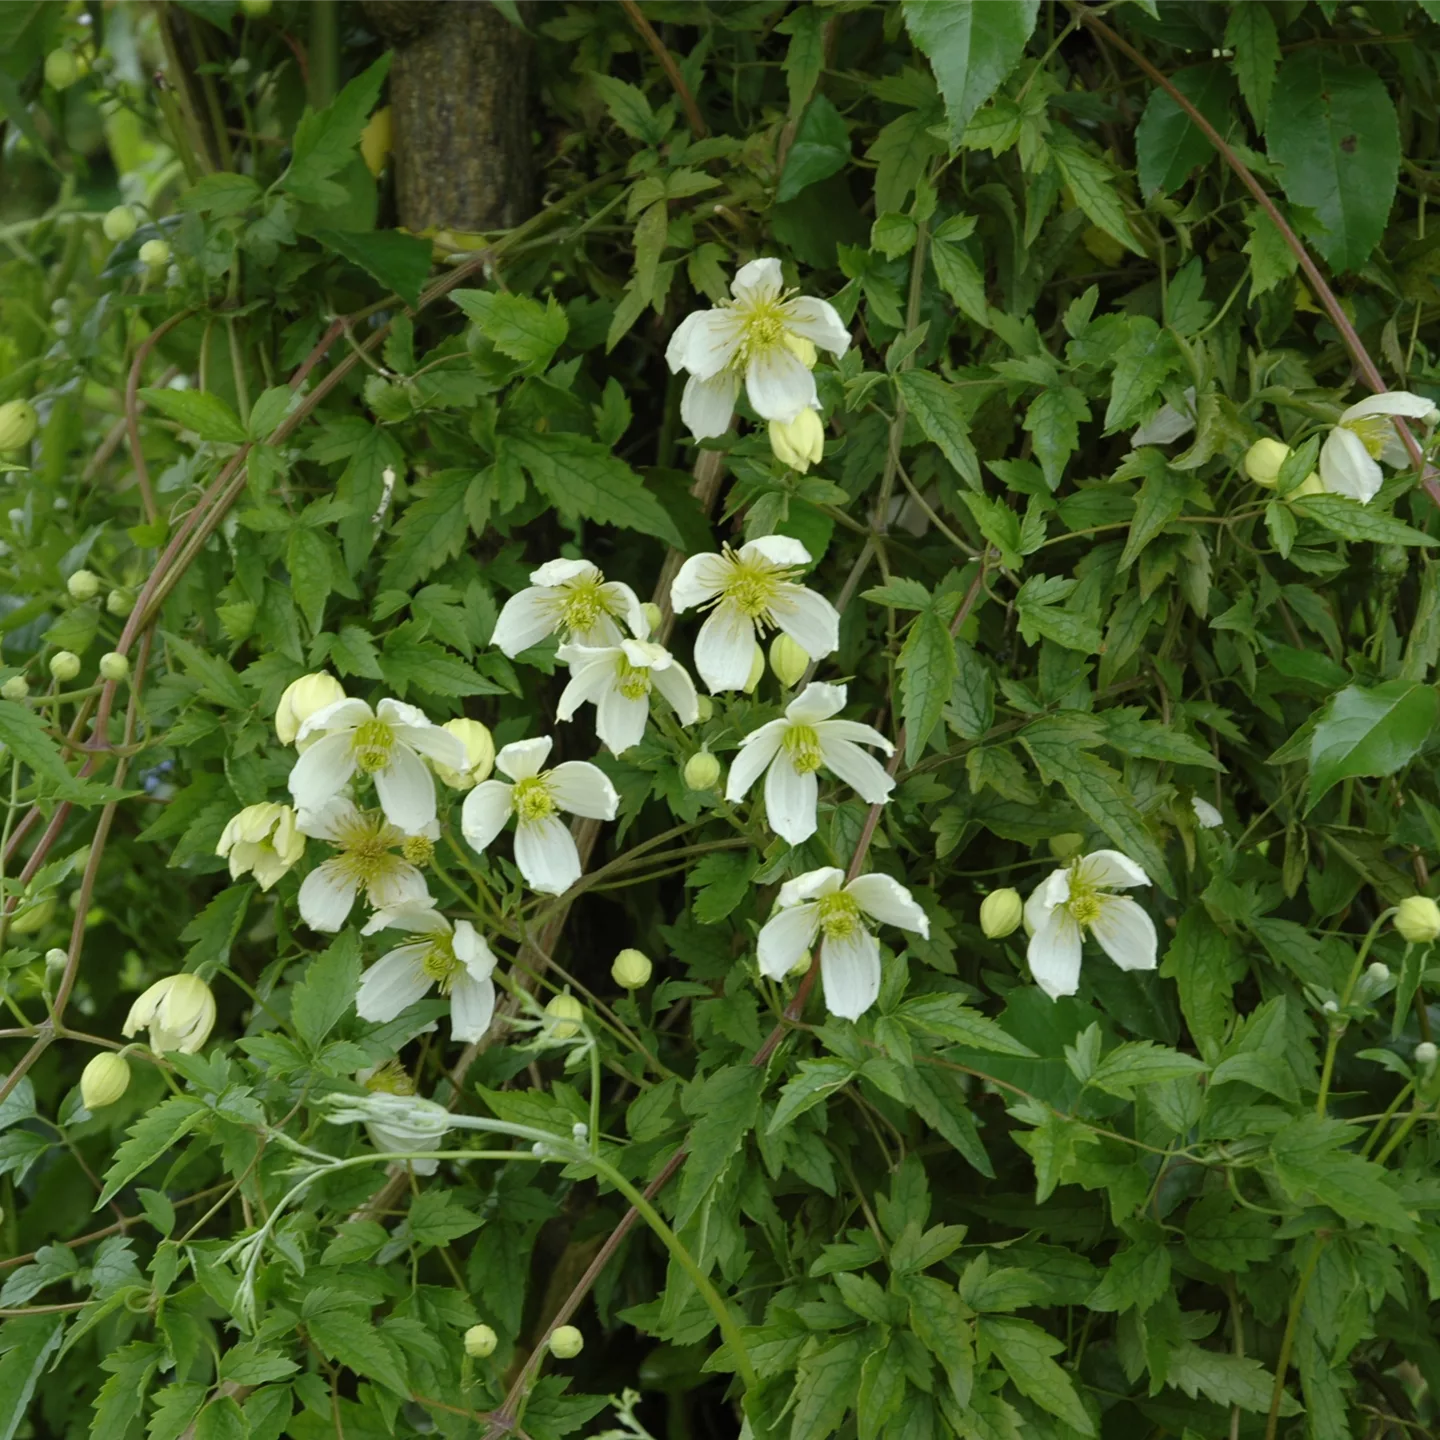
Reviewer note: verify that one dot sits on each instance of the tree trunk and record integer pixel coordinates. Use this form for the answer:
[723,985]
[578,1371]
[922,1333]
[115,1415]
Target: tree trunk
[460,101]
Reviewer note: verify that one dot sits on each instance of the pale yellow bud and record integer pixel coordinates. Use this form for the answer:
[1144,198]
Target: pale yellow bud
[1264,459]
[802,349]
[178,1011]
[702,771]
[1310,485]
[799,967]
[566,1342]
[18,423]
[104,1080]
[35,917]
[1418,919]
[377,139]
[757,669]
[302,699]
[155,253]
[64,665]
[120,602]
[83,585]
[563,1016]
[480,1342]
[704,709]
[788,660]
[479,754]
[631,969]
[652,614]
[17,687]
[798,443]
[62,69]
[114,666]
[1000,913]
[119,224]
[263,840]
[1063,847]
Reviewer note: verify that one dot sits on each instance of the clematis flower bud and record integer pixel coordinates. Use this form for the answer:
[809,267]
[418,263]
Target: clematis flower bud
[798,443]
[757,669]
[104,1080]
[653,617]
[28,919]
[263,840]
[1062,847]
[114,666]
[479,754]
[702,771]
[1264,459]
[64,665]
[480,1342]
[155,253]
[788,660]
[566,1342]
[178,1011]
[1426,1055]
[120,602]
[1000,913]
[119,224]
[1418,919]
[62,69]
[83,585]
[704,708]
[631,970]
[563,1015]
[302,698]
[18,423]
[17,687]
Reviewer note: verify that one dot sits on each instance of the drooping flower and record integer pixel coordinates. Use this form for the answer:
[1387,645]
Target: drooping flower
[793,749]
[178,1011]
[749,591]
[1078,898]
[263,840]
[544,848]
[367,861]
[1350,456]
[618,680]
[798,443]
[454,957]
[764,336]
[395,1122]
[385,743]
[571,596]
[302,698]
[818,903]
[392,1134]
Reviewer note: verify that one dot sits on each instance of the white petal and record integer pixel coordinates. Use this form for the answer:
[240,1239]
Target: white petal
[1053,890]
[810,620]
[326,897]
[855,732]
[757,750]
[700,578]
[818,322]
[1111,869]
[778,383]
[525,620]
[523,758]
[1125,932]
[472,951]
[621,600]
[406,789]
[705,342]
[790,801]
[677,352]
[330,820]
[861,772]
[816,701]
[620,720]
[1390,402]
[420,918]
[675,684]
[398,884]
[1054,954]
[708,405]
[343,714]
[322,772]
[484,813]
[850,974]
[810,886]
[583,789]
[1346,467]
[546,855]
[392,984]
[472,1006]
[1206,815]
[562,572]
[785,939]
[759,280]
[777,549]
[725,648]
[888,901]
[592,676]
[435,743]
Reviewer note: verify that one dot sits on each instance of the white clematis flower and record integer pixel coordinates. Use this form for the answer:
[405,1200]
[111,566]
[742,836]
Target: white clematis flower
[178,1011]
[262,840]
[765,336]
[1350,456]
[572,596]
[385,743]
[544,848]
[367,861]
[794,748]
[1206,815]
[396,1134]
[818,903]
[1070,901]
[749,591]
[454,957]
[618,679]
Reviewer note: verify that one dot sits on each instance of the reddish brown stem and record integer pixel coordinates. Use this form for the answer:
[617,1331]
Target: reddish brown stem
[667,62]
[132,410]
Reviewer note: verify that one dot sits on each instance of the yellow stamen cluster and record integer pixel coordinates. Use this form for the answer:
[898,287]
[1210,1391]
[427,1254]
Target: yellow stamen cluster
[583,604]
[1373,431]
[366,849]
[372,743]
[753,584]
[419,850]
[633,680]
[1084,902]
[532,799]
[390,1079]
[802,744]
[839,915]
[440,963]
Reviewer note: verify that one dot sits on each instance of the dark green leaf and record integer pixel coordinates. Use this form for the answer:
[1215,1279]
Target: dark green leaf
[327,991]
[207,415]
[399,262]
[1369,732]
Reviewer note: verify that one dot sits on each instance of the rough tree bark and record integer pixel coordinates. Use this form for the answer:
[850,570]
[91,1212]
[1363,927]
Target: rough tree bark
[459,95]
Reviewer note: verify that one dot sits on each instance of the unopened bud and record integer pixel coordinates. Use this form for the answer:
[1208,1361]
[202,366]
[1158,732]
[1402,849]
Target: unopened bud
[1310,485]
[104,1080]
[302,699]
[34,917]
[18,423]
[1000,913]
[62,69]
[56,960]
[757,669]
[566,1342]
[652,614]
[480,1340]
[83,585]
[114,666]
[704,708]
[1378,972]
[1417,918]
[798,443]
[178,1011]
[155,253]
[17,687]
[631,970]
[1063,847]
[563,1017]
[120,602]
[788,660]
[479,753]
[64,665]
[119,224]
[702,771]
[1425,1055]
[1264,459]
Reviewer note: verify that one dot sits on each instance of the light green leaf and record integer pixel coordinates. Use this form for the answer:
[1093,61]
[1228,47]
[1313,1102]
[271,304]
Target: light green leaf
[1354,521]
[805,55]
[725,1106]
[1201,961]
[350,1337]
[517,326]
[1095,188]
[938,410]
[1311,1165]
[207,415]
[1134,1065]
[1024,1351]
[1225,1379]
[1250,33]
[327,991]
[148,1139]
[949,1018]
[325,141]
[26,1344]
[1370,732]
[813,1082]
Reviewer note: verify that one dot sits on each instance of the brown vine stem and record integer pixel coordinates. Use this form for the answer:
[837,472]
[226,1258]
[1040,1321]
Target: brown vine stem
[132,409]
[501,1421]
[1429,477]
[667,62]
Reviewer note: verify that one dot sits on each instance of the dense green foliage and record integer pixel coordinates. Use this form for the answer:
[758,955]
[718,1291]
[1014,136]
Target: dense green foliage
[276,435]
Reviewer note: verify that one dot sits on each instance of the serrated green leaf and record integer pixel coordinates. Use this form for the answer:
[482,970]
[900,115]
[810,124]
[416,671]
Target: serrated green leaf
[1372,732]
[927,671]
[814,1081]
[148,1139]
[207,415]
[1354,521]
[1024,1351]
[327,992]
[938,410]
[725,1106]
[517,326]
[350,1337]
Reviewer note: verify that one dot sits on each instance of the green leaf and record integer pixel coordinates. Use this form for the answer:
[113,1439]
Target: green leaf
[212,932]
[408,661]
[350,1337]
[122,1396]
[1333,132]
[1054,420]
[725,1106]
[1225,1379]
[1132,1066]
[1095,188]
[517,326]
[327,991]
[325,141]
[723,881]
[972,46]
[927,671]
[1370,732]
[1041,614]
[399,262]
[1354,521]
[437,1217]
[23,734]
[1142,365]
[26,1345]
[432,530]
[628,108]
[217,679]
[222,195]
[1161,499]
[1201,961]
[307,557]
[960,276]
[1135,1279]
[1310,1164]
[814,1081]
[207,415]
[825,1387]
[805,55]
[1168,145]
[950,1018]
[942,1324]
[1250,33]
[221,1419]
[821,149]
[938,410]
[148,1139]
[1024,1351]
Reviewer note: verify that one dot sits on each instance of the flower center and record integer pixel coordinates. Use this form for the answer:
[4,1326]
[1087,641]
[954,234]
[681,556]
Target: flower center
[419,850]
[440,964]
[532,800]
[583,604]
[764,327]
[839,915]
[753,585]
[365,850]
[632,681]
[802,744]
[1084,903]
[371,743]
[390,1079]
[1374,431]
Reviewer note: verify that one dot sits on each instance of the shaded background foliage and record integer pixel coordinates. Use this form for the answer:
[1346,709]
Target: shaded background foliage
[1193,1203]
